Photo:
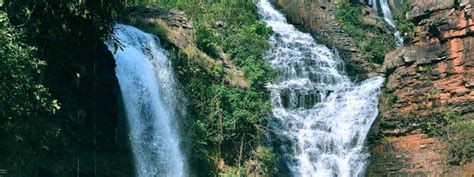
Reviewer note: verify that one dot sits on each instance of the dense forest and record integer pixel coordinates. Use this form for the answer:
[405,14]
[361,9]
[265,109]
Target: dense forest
[62,108]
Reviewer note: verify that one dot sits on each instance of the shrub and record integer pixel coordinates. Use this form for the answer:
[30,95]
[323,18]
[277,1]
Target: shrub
[392,99]
[460,138]
[454,129]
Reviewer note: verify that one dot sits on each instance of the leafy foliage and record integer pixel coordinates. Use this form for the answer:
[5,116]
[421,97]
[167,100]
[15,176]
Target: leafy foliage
[455,130]
[227,122]
[406,27]
[26,105]
[369,38]
[48,47]
[439,121]
[460,137]
[24,101]
[392,99]
[45,18]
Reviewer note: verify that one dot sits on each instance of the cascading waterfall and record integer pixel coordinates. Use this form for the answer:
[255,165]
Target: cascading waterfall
[150,97]
[387,16]
[324,117]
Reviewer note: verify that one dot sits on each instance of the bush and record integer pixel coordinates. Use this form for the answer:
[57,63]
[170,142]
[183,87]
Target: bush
[436,123]
[348,14]
[392,99]
[457,132]
[460,138]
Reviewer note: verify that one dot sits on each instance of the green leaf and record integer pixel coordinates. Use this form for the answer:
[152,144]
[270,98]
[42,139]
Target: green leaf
[55,105]
[115,47]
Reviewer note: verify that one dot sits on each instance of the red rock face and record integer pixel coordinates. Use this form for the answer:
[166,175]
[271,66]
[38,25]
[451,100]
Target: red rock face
[437,70]
[413,155]
[434,73]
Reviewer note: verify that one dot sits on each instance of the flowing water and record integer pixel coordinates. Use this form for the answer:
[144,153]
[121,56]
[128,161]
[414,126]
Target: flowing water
[387,16]
[150,97]
[324,117]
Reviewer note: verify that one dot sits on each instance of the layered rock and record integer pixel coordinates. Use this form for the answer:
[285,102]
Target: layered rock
[437,70]
[434,73]
[180,29]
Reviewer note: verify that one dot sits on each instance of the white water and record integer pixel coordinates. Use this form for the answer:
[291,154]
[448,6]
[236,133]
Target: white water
[324,117]
[374,5]
[387,16]
[149,94]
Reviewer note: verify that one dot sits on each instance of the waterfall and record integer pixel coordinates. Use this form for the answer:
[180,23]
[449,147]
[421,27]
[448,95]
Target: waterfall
[388,18]
[150,98]
[322,115]
[374,5]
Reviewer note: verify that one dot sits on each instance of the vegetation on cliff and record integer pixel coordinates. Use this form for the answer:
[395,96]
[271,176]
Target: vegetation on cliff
[370,38]
[60,110]
[406,27]
[426,92]
[456,130]
[228,122]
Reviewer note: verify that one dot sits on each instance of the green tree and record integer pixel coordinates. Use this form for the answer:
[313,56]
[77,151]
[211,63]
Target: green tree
[55,50]
[26,105]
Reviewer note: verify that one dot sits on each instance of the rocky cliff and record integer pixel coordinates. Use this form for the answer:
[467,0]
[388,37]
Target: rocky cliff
[436,70]
[431,75]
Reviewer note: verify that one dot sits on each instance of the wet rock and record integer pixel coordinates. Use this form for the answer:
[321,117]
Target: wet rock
[180,29]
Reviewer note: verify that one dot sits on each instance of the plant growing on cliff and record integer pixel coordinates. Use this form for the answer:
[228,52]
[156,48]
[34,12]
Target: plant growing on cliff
[369,38]
[455,130]
[437,122]
[228,122]
[392,99]
[460,138]
[55,51]
[405,26]
[458,132]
